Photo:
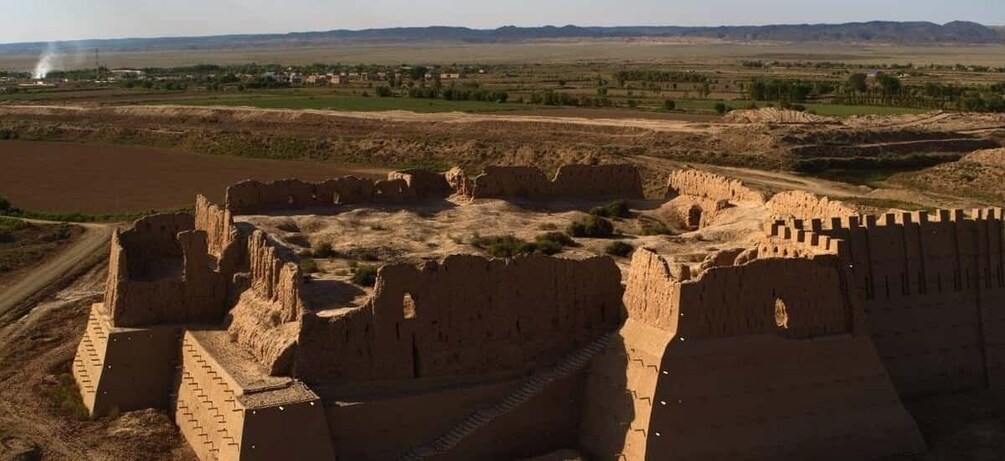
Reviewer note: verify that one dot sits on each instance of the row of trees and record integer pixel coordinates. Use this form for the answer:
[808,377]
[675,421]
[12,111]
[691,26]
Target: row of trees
[466,92]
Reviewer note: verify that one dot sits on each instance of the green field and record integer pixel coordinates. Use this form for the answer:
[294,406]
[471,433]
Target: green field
[834,110]
[351,103]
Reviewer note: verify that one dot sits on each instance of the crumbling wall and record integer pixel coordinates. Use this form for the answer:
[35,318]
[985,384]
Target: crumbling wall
[160,272]
[707,185]
[587,181]
[217,223]
[255,197]
[424,184]
[754,361]
[511,181]
[464,316]
[931,285]
[266,319]
[804,205]
[622,181]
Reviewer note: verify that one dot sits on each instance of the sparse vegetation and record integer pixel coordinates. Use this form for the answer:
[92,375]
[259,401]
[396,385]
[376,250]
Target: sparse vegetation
[654,228]
[364,275]
[509,246]
[65,397]
[308,266]
[618,209]
[324,250]
[620,249]
[592,227]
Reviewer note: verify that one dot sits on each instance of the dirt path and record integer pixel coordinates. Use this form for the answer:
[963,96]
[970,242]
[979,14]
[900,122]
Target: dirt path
[79,256]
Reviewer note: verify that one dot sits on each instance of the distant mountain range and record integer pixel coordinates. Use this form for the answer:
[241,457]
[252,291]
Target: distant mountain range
[877,31]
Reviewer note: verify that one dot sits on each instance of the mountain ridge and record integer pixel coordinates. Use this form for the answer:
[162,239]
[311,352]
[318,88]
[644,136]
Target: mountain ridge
[918,32]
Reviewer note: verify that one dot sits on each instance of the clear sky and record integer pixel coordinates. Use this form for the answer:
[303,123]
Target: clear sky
[48,20]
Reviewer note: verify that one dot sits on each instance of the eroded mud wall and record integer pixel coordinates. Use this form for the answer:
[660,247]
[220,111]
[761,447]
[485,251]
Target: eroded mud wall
[712,186]
[465,316]
[578,181]
[804,205]
[266,319]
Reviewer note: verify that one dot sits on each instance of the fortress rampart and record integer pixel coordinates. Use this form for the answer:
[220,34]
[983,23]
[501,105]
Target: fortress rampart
[932,286]
[465,316]
[502,182]
[765,352]
[737,336]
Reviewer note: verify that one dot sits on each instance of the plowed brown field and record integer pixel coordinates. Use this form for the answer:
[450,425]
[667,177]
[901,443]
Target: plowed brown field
[67,177]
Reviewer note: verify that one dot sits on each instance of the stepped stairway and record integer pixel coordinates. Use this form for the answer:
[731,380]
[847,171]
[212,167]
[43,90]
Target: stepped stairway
[206,410]
[89,360]
[463,428]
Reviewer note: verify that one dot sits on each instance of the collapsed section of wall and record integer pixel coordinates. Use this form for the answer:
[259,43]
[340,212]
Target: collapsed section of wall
[266,319]
[581,181]
[755,323]
[124,369]
[466,315]
[698,197]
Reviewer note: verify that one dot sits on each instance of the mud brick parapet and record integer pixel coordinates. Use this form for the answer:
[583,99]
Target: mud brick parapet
[933,287]
[464,316]
[578,181]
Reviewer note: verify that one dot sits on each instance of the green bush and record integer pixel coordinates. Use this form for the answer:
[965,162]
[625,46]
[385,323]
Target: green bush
[308,266]
[593,227]
[509,246]
[721,108]
[669,104]
[655,228]
[324,250]
[5,204]
[364,275]
[617,209]
[620,249]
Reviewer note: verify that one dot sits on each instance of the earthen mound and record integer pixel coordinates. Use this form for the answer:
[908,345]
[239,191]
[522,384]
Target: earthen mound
[987,157]
[774,115]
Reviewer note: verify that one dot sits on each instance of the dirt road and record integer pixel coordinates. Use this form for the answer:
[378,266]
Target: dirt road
[91,246]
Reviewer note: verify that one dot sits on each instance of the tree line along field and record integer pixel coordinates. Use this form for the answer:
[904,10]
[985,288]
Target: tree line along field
[695,88]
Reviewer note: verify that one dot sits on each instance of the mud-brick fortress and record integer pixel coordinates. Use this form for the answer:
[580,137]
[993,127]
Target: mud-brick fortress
[798,347]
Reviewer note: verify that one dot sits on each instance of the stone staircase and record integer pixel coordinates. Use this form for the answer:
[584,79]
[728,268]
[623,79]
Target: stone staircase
[89,360]
[206,407]
[463,428]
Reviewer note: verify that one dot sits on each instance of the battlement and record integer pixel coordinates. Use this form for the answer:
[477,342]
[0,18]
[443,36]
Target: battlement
[804,205]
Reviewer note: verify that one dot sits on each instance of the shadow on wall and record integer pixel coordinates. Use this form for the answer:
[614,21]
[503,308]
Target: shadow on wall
[606,423]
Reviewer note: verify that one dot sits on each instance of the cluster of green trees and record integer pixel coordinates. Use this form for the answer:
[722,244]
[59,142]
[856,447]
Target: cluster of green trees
[890,90]
[762,89]
[471,91]
[554,98]
[660,76]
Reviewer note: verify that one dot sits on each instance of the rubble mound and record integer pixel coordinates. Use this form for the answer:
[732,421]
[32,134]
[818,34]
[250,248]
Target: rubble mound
[987,157]
[775,115]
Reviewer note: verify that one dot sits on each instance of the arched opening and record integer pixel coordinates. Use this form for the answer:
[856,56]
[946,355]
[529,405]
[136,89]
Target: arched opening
[408,306]
[694,217]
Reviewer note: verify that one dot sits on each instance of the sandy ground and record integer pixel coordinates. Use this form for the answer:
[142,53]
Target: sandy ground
[36,352]
[90,247]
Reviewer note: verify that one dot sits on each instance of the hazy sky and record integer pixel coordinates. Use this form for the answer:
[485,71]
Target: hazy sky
[46,20]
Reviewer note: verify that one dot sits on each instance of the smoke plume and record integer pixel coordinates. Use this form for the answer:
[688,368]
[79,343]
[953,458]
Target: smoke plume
[47,62]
